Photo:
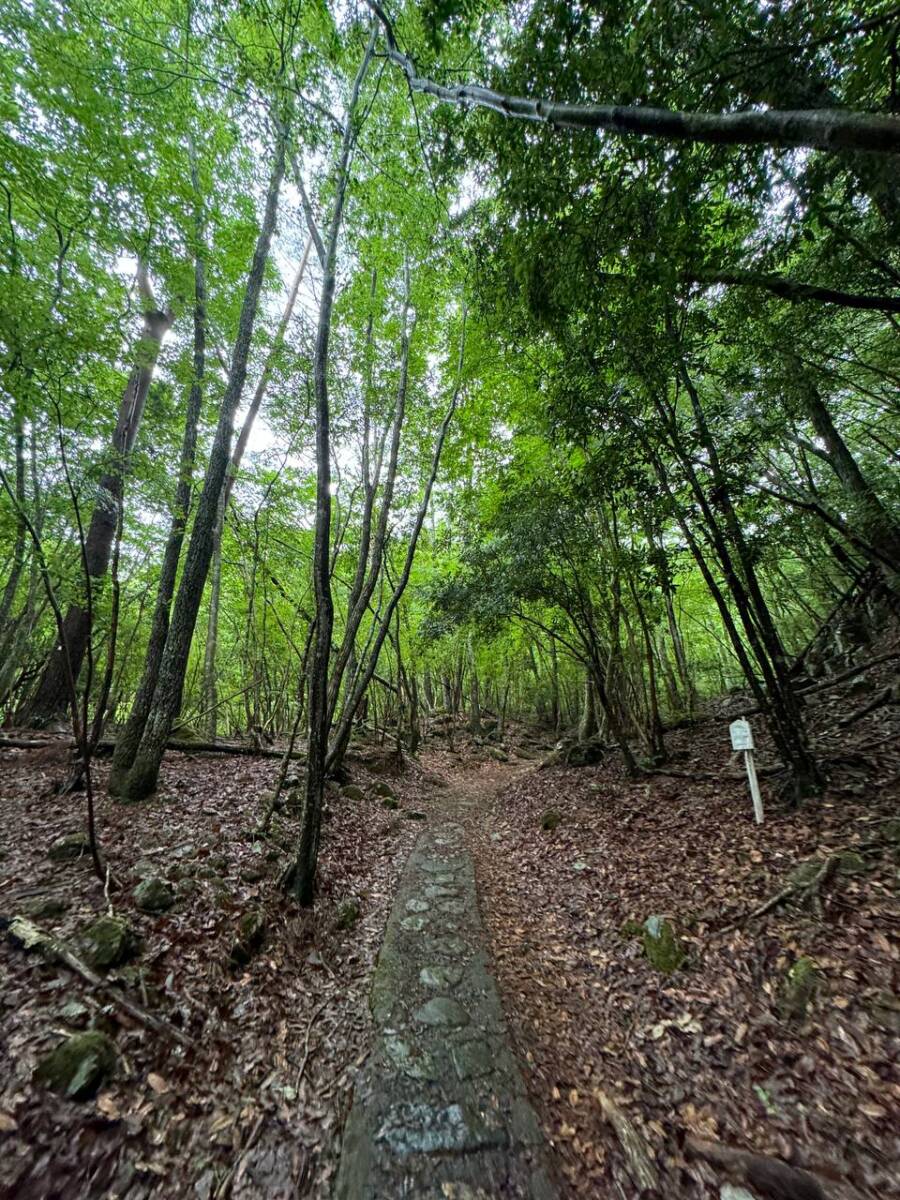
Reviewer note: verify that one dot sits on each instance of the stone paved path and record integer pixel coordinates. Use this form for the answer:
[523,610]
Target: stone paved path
[441,1111]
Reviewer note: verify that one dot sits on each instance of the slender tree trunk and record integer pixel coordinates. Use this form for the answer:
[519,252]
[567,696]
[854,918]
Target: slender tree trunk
[300,879]
[129,739]
[51,699]
[142,777]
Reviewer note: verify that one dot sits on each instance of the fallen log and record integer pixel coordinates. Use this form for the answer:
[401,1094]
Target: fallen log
[29,936]
[107,745]
[769,1176]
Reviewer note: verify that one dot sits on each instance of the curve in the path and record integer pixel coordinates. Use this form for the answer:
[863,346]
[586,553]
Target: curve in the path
[440,1112]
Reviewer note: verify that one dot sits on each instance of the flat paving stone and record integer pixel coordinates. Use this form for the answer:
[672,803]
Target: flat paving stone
[440,977]
[414,924]
[416,905]
[442,1010]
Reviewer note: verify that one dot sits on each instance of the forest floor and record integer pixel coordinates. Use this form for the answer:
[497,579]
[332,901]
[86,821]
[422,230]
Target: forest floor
[256,1106]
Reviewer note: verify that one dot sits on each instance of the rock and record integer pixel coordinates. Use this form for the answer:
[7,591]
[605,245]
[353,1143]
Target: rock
[891,831]
[661,945]
[412,815]
[385,789]
[440,977]
[108,942]
[497,754]
[253,873]
[885,1012]
[442,1010]
[551,820]
[251,936]
[187,888]
[414,904]
[849,862]
[389,802]
[44,906]
[804,873]
[153,895]
[144,867]
[347,914]
[79,1065]
[70,848]
[75,1013]
[800,986]
[352,791]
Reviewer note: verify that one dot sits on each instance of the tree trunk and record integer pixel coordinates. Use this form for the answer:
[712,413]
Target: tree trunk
[142,777]
[51,698]
[129,739]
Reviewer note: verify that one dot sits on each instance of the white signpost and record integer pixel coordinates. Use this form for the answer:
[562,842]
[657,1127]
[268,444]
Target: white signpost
[742,739]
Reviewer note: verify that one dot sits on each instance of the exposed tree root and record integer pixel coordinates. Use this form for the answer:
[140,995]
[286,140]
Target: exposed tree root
[640,1162]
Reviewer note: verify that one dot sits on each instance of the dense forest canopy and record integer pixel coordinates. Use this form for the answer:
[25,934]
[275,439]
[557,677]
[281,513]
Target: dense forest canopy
[365,363]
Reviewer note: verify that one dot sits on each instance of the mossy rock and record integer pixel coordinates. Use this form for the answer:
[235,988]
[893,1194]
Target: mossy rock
[662,945]
[348,914]
[185,733]
[44,906]
[413,814]
[891,831]
[849,862]
[804,873]
[632,928]
[551,820]
[353,791]
[390,802]
[153,895]
[70,848]
[108,942]
[497,754]
[78,1066]
[385,789]
[798,989]
[251,937]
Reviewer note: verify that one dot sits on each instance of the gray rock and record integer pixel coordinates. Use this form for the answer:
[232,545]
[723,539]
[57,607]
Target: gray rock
[75,1013]
[423,1129]
[472,1060]
[153,895]
[70,848]
[250,939]
[385,789]
[440,977]
[413,924]
[417,906]
[44,906]
[442,1010]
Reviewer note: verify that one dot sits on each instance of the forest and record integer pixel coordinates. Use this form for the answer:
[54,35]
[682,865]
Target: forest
[432,435]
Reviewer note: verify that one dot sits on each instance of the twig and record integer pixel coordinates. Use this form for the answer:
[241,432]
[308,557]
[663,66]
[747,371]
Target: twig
[225,1186]
[30,937]
[640,1164]
[305,1059]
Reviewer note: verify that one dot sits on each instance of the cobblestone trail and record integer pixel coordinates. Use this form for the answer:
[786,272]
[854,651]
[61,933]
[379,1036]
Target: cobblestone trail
[440,1112]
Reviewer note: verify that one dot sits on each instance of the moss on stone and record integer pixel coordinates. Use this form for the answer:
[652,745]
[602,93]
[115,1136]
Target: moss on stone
[250,939]
[798,989]
[153,895]
[353,791]
[662,945]
[79,1065]
[108,942]
[850,862]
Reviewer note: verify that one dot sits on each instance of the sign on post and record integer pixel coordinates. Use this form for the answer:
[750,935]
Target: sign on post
[742,739]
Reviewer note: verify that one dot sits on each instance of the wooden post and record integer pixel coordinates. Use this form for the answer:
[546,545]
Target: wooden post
[742,739]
